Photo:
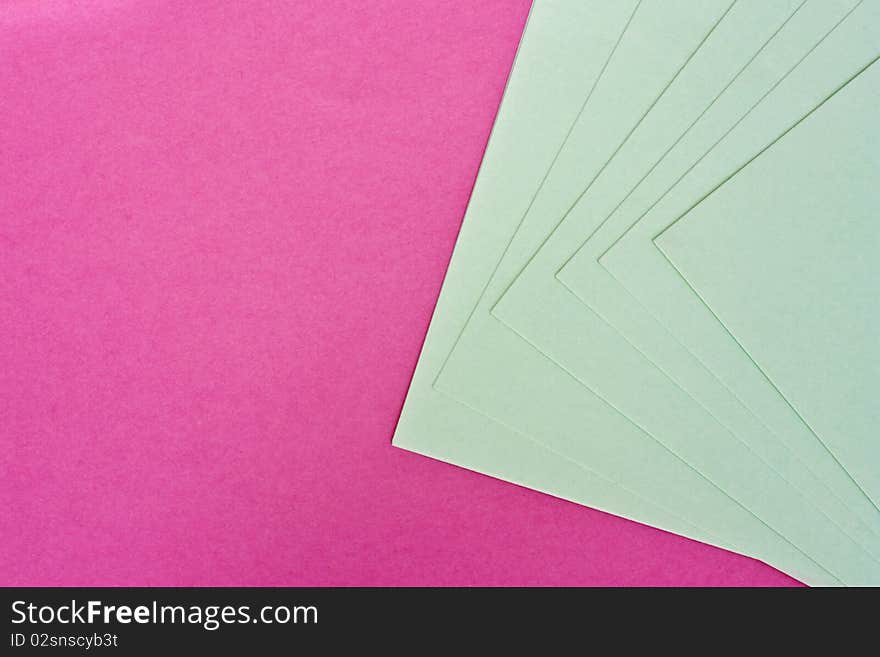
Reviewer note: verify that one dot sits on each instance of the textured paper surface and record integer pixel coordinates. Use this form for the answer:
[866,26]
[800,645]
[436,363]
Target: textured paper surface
[491,369]
[785,254]
[223,231]
[643,296]
[745,460]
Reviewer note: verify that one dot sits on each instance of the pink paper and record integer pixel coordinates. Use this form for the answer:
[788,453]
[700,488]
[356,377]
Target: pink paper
[223,227]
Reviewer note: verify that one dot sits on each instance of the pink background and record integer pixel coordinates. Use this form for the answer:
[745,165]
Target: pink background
[223,226]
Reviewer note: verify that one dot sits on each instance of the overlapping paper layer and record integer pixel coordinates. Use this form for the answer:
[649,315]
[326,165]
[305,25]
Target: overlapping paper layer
[662,300]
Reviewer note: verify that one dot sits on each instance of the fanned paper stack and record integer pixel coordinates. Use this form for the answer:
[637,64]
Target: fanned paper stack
[663,302]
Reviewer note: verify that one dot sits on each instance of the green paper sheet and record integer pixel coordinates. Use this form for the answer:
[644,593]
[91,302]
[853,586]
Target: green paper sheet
[636,290]
[551,320]
[532,395]
[785,254]
[564,48]
[743,458]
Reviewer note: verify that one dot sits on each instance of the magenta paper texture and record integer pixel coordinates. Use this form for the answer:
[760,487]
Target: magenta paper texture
[223,226]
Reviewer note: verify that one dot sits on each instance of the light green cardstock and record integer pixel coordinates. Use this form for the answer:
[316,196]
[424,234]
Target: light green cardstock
[619,275]
[531,394]
[564,48]
[747,461]
[785,253]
